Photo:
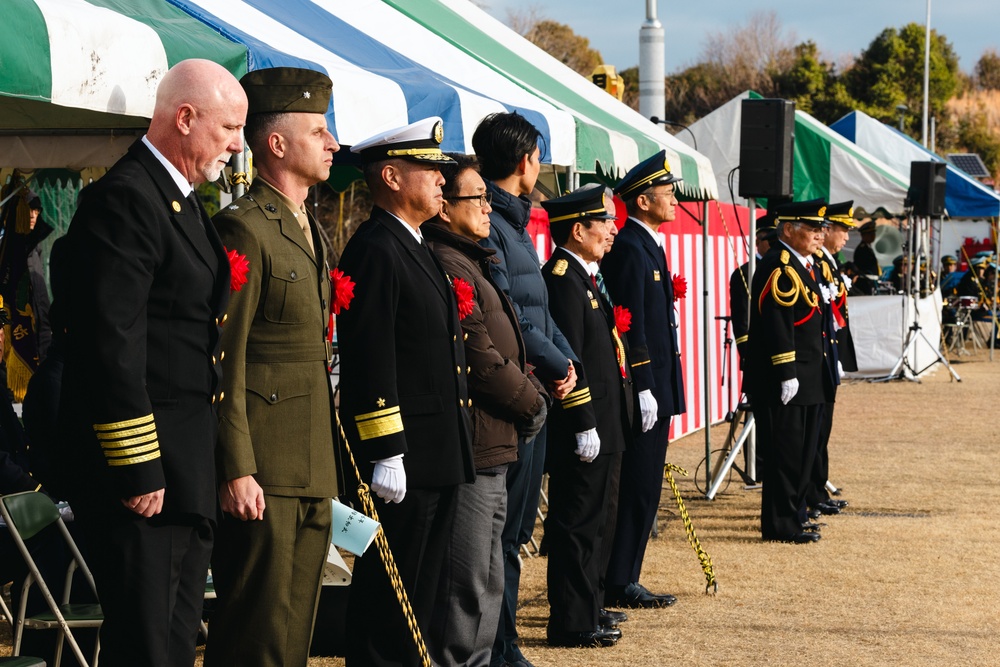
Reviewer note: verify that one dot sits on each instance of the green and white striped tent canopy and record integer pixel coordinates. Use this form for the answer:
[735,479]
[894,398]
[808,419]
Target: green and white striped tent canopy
[85,72]
[826,165]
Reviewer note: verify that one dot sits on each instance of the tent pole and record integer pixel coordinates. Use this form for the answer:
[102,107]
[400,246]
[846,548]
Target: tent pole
[706,320]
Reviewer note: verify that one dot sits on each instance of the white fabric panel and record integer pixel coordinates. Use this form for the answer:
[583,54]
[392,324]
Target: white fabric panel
[102,60]
[880,325]
[718,136]
[850,178]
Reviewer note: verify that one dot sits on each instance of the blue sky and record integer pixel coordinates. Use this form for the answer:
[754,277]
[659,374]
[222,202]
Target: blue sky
[840,29]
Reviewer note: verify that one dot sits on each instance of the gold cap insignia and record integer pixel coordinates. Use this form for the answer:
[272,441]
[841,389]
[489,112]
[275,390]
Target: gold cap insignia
[439,132]
[560,268]
[176,205]
[822,211]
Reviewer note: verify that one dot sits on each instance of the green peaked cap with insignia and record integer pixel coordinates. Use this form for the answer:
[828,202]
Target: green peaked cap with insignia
[287,90]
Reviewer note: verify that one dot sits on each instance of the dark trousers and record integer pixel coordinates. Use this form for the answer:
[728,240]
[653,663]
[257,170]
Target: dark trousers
[524,484]
[150,576]
[267,576]
[787,436]
[417,530]
[578,503]
[639,499]
[821,466]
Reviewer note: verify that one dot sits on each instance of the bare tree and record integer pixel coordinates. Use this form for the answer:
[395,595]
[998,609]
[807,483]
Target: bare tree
[747,56]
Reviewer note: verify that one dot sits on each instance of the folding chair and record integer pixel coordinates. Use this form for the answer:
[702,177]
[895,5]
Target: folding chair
[21,661]
[27,514]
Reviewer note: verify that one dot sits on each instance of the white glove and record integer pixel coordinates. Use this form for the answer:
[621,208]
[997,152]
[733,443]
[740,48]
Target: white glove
[840,370]
[389,479]
[788,390]
[588,445]
[647,406]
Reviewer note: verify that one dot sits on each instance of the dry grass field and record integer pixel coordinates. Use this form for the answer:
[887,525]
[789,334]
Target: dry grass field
[908,575]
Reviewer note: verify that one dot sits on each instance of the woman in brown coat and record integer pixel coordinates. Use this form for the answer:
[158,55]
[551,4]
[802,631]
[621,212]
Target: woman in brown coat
[506,400]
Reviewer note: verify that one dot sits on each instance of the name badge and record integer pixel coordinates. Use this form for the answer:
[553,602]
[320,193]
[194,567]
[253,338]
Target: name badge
[593,304]
[656,275]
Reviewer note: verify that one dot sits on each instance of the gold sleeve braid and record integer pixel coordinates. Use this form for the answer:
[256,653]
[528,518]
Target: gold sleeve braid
[575,398]
[129,442]
[379,423]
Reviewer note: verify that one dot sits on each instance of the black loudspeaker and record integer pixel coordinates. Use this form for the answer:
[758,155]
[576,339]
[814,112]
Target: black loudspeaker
[766,141]
[927,183]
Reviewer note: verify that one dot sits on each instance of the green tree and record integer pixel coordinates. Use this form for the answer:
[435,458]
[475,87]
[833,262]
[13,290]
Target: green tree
[891,72]
[987,71]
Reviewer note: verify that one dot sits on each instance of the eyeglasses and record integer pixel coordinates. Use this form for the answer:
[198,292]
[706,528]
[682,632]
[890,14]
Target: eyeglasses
[482,200]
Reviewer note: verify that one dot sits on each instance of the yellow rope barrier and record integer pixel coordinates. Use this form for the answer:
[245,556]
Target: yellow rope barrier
[368,507]
[703,557]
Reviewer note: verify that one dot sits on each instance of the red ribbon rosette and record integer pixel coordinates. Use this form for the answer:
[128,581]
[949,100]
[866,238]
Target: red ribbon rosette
[343,290]
[680,284]
[463,294]
[623,319]
[239,267]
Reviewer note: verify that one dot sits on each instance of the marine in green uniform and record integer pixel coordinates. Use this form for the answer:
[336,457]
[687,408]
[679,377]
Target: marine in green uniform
[276,450]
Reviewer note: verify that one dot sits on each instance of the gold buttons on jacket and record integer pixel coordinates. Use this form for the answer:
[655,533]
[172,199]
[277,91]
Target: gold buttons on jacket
[214,361]
[222,355]
[222,395]
[468,369]
[461,403]
[465,336]
[458,369]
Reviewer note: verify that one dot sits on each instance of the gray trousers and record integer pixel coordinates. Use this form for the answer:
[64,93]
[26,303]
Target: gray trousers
[472,579]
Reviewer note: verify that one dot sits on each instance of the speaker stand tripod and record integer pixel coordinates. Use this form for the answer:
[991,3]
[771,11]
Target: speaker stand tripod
[898,371]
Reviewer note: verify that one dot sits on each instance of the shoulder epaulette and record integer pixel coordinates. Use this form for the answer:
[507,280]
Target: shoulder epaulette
[559,269]
[785,257]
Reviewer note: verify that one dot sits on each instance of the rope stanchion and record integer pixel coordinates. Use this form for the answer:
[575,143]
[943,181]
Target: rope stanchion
[368,508]
[711,584]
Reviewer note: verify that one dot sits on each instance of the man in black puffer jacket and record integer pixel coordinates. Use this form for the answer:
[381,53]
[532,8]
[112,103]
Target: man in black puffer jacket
[507,148]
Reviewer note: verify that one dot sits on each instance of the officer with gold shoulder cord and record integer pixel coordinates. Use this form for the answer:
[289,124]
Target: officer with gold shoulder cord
[404,398]
[788,379]
[590,427]
[834,288]
[276,451]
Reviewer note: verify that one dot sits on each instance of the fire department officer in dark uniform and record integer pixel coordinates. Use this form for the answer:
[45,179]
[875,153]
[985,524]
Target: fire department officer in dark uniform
[739,284]
[639,279]
[787,378]
[841,219]
[275,457]
[590,427]
[404,398]
[144,309]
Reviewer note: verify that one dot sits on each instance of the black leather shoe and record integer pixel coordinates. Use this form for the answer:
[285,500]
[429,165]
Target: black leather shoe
[804,538]
[611,619]
[814,513]
[827,509]
[809,526]
[634,596]
[836,503]
[598,638]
